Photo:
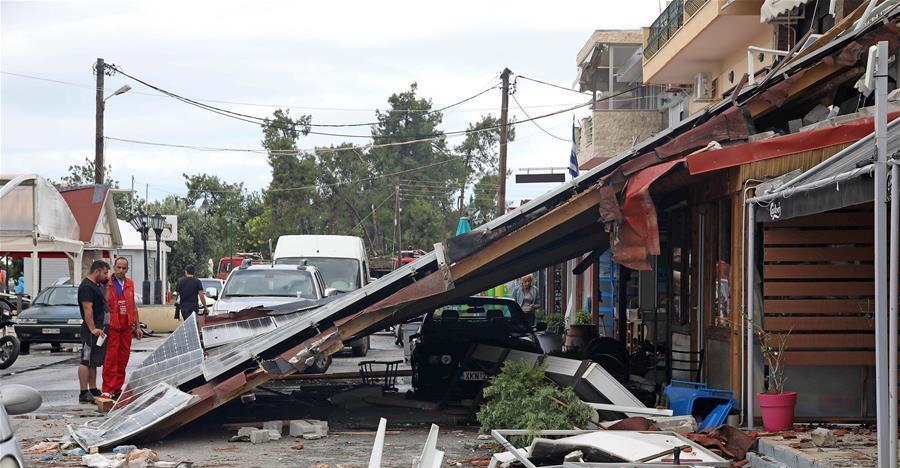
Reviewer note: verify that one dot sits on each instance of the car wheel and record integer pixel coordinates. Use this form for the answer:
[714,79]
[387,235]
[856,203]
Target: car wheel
[9,351]
[361,349]
[55,347]
[321,364]
[24,347]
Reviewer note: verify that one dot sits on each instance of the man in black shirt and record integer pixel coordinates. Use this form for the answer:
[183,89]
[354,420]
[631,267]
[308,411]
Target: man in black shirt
[190,293]
[94,313]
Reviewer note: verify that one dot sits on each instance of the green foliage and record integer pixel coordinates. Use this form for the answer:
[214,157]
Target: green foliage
[555,321]
[520,397]
[583,317]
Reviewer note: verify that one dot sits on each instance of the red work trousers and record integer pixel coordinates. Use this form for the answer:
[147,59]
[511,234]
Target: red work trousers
[118,348]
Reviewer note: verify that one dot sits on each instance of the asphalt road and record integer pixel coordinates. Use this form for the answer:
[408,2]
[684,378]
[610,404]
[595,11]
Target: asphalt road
[205,442]
[54,374]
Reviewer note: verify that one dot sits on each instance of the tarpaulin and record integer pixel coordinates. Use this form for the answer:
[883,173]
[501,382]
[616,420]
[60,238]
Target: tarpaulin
[781,146]
[637,236]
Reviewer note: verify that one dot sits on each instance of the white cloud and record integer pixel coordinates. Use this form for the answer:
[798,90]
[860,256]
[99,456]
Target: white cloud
[337,54]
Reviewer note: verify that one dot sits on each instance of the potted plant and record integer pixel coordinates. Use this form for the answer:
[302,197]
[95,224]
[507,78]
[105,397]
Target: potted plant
[580,332]
[551,338]
[776,405]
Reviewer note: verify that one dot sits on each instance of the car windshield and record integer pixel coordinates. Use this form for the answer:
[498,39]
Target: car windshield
[211,283]
[338,273]
[477,314]
[58,296]
[270,282]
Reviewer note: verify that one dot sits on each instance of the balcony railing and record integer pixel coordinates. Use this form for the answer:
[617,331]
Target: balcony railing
[669,22]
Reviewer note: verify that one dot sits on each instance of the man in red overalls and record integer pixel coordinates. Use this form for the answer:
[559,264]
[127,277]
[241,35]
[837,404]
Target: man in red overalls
[123,322]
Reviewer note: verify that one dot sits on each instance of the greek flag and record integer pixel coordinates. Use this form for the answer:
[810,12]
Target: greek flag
[573,158]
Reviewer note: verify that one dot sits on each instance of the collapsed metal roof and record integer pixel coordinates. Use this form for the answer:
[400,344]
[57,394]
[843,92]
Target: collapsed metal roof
[211,360]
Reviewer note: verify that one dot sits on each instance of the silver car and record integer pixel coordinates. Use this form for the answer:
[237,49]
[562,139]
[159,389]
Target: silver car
[269,285]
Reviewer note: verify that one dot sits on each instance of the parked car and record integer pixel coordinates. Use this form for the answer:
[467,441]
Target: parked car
[15,399]
[448,332]
[212,288]
[52,318]
[342,260]
[269,285]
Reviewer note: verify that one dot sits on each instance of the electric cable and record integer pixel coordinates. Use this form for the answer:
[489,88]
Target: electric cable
[516,100]
[549,84]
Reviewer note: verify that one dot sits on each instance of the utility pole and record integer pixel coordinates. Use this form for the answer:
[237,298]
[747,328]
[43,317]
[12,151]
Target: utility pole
[504,136]
[99,70]
[397,223]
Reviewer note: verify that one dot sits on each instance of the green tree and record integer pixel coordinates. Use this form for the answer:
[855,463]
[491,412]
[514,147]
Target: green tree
[480,152]
[199,237]
[291,195]
[426,171]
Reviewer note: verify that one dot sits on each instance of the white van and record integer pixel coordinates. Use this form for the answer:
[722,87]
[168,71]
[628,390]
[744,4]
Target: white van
[342,260]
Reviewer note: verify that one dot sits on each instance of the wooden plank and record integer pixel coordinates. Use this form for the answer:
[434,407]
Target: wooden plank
[579,204]
[807,254]
[817,236]
[820,323]
[828,219]
[829,358]
[819,306]
[831,341]
[821,271]
[825,288]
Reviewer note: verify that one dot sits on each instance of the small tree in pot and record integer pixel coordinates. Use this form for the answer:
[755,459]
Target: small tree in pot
[551,338]
[776,405]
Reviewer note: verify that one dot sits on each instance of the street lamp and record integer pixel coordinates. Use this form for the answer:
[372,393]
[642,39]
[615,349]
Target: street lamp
[141,225]
[157,221]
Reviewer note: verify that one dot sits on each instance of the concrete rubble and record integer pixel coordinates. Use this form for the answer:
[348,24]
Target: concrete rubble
[309,429]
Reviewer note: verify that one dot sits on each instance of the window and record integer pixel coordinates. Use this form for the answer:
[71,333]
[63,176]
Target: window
[270,283]
[610,59]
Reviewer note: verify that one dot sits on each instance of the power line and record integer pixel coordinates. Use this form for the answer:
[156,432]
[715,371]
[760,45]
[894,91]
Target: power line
[549,84]
[266,120]
[535,122]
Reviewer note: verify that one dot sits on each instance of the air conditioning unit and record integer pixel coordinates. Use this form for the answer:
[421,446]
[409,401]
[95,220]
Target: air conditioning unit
[704,89]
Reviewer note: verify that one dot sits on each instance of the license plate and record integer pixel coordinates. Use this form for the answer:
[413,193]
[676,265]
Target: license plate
[50,331]
[474,375]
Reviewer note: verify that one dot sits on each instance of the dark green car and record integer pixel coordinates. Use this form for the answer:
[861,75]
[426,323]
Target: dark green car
[52,318]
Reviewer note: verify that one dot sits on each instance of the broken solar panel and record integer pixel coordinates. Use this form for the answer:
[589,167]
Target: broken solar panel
[151,407]
[174,362]
[217,335]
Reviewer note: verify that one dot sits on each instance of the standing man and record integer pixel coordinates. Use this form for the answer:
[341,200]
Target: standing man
[190,293]
[123,322]
[93,308]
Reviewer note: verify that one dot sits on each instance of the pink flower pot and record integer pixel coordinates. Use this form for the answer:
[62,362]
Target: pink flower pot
[777,410]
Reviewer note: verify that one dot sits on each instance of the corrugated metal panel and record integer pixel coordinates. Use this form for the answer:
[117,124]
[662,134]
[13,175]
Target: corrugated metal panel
[53,270]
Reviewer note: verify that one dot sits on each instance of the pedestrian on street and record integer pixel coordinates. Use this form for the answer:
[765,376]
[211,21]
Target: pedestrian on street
[526,295]
[124,322]
[190,293]
[20,288]
[94,310]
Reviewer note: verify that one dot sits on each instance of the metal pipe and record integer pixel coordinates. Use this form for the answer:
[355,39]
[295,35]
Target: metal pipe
[813,185]
[894,275]
[741,298]
[882,399]
[751,293]
[751,73]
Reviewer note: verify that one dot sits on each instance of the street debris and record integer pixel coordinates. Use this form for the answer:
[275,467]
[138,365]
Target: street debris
[309,429]
[43,447]
[822,437]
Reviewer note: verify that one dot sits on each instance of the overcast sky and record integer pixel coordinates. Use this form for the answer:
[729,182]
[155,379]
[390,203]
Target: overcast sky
[338,61]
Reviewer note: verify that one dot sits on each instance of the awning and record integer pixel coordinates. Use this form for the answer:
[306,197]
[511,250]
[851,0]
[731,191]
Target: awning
[840,181]
[637,237]
[772,9]
[777,147]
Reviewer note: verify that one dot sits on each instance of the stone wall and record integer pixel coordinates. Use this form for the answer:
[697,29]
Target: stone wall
[616,131]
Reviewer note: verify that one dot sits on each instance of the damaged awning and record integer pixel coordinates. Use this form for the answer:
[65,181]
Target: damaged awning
[842,180]
[771,10]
